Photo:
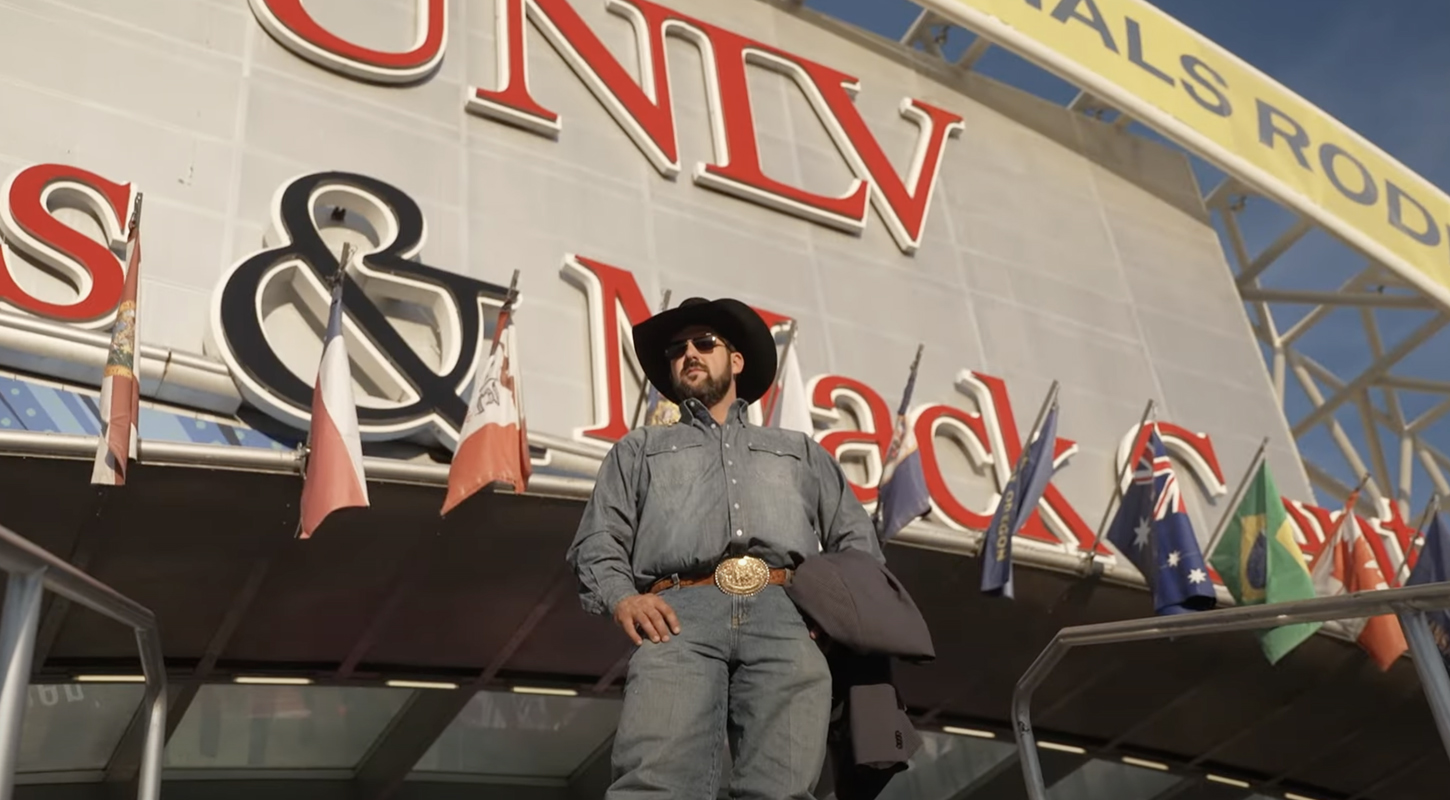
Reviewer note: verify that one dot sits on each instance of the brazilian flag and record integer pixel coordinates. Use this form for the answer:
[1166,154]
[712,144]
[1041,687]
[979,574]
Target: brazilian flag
[1260,562]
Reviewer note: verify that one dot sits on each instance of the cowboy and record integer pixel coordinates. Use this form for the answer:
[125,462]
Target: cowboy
[688,541]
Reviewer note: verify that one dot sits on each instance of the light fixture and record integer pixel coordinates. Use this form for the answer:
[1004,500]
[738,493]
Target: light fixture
[1227,781]
[109,678]
[422,685]
[1062,748]
[546,691]
[1146,764]
[1292,796]
[268,680]
[968,732]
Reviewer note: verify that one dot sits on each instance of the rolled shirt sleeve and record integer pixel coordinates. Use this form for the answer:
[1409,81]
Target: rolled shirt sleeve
[600,553]
[844,522]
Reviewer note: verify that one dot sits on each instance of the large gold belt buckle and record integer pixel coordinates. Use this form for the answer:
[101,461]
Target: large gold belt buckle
[742,576]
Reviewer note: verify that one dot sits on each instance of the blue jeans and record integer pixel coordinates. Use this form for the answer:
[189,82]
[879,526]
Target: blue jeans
[742,665]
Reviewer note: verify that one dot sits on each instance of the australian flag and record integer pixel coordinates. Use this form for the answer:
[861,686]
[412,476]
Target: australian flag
[1152,529]
[902,495]
[1434,567]
[1025,487]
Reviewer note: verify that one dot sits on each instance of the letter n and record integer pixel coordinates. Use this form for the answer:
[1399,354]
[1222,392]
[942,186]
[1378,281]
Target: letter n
[295,29]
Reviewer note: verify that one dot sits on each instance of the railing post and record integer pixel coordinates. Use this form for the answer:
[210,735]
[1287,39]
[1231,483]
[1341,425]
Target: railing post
[1431,667]
[149,780]
[23,593]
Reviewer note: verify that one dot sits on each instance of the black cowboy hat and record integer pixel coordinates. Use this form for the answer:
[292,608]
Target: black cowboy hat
[734,321]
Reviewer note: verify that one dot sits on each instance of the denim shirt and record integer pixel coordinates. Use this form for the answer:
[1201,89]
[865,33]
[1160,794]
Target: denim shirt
[675,500]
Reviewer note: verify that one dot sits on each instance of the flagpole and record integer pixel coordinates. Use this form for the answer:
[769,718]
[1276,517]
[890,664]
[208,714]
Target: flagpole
[644,388]
[780,373]
[304,450]
[504,310]
[1238,497]
[1047,404]
[895,444]
[1090,559]
[1431,509]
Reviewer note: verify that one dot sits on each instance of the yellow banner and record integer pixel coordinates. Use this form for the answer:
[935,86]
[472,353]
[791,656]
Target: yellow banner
[1135,57]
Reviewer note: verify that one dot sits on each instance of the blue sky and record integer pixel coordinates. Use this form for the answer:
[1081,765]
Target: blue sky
[1381,68]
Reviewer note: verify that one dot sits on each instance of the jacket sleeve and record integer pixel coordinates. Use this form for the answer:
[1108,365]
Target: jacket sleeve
[600,554]
[844,524]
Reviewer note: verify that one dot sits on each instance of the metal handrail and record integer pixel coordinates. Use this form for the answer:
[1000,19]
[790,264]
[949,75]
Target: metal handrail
[32,570]
[1408,603]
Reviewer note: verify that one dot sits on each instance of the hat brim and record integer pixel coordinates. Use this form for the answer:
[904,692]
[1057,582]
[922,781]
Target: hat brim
[735,321]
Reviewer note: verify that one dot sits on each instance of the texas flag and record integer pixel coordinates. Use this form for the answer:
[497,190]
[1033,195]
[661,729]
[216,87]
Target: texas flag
[1347,564]
[120,404]
[494,444]
[334,464]
[791,408]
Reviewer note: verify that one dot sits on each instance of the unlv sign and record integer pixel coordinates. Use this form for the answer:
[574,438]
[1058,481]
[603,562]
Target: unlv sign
[644,109]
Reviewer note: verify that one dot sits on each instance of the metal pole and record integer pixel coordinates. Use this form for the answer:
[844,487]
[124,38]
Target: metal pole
[154,667]
[1417,542]
[23,593]
[1113,499]
[1431,667]
[1238,497]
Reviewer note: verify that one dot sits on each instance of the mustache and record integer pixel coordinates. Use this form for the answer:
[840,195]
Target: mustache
[692,364]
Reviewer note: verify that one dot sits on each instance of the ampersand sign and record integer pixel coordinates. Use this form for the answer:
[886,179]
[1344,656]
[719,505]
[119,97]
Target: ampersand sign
[416,395]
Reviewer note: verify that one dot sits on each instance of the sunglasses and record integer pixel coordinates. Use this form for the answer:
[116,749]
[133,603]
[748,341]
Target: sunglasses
[704,343]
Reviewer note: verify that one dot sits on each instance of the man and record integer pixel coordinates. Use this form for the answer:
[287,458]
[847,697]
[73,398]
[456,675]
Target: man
[688,541]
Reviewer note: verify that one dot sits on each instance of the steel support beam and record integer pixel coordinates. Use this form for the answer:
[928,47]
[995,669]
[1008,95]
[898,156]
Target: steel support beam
[1336,299]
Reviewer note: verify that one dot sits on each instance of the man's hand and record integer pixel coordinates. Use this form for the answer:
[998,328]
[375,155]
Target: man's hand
[649,614]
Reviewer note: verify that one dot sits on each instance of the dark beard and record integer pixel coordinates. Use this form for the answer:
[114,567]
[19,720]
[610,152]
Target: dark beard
[709,392]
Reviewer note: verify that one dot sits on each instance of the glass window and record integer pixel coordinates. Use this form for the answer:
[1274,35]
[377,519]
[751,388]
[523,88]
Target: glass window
[944,765]
[1112,779]
[75,726]
[282,727]
[509,734]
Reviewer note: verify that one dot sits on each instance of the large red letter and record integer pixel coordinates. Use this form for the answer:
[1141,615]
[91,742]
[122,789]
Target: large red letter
[830,393]
[32,229]
[615,306]
[991,396]
[643,109]
[968,431]
[295,29]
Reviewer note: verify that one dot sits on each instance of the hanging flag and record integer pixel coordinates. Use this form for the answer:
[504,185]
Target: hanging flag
[1260,562]
[1347,564]
[1434,567]
[493,446]
[791,408]
[1029,480]
[120,403]
[334,477]
[1153,530]
[901,494]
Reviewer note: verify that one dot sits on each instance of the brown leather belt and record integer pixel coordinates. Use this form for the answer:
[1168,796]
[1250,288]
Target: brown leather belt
[742,576]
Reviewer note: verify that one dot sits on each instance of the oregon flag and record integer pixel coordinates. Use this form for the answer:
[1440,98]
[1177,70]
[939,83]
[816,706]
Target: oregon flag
[1261,563]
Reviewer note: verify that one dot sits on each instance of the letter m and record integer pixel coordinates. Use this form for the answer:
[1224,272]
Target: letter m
[615,307]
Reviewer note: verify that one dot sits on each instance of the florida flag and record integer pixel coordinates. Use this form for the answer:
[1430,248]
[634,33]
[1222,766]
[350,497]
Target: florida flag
[1347,564]
[334,463]
[120,405]
[494,443]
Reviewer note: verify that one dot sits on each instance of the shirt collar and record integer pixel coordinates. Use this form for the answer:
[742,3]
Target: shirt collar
[739,412]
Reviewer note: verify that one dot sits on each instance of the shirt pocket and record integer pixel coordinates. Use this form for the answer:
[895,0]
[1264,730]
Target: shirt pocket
[674,464]
[776,464]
